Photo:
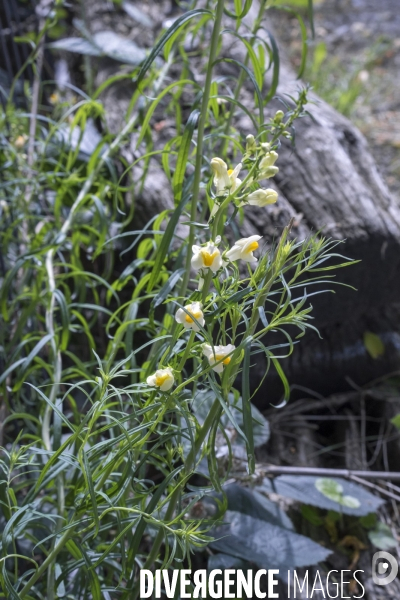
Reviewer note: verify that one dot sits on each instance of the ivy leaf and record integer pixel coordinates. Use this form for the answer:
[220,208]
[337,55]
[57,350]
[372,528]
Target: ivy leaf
[382,537]
[334,491]
[335,494]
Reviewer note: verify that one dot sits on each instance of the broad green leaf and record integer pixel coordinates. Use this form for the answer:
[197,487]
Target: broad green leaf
[266,544]
[382,537]
[303,488]
[334,491]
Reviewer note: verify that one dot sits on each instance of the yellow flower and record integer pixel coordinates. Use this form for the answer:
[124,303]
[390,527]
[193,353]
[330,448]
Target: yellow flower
[206,257]
[20,141]
[267,168]
[244,248]
[54,98]
[162,378]
[187,320]
[261,197]
[225,180]
[216,354]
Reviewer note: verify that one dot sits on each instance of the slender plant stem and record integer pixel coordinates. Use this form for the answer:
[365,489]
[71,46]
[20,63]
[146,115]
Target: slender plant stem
[196,189]
[201,436]
[241,80]
[187,351]
[200,137]
[47,562]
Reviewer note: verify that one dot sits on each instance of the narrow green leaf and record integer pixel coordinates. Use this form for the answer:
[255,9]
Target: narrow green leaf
[283,378]
[10,369]
[166,289]
[165,244]
[239,12]
[165,37]
[226,408]
[311,17]
[275,61]
[62,303]
[181,163]
[246,407]
[89,482]
[250,75]
[36,351]
[155,103]
[253,56]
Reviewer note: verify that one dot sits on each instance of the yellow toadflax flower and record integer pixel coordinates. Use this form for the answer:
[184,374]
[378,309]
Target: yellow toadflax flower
[162,378]
[218,353]
[206,257]
[267,168]
[20,141]
[244,248]
[187,320]
[54,98]
[225,180]
[261,197]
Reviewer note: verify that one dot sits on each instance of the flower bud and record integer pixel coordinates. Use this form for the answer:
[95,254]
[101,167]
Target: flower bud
[267,168]
[262,197]
[279,116]
[251,144]
[269,160]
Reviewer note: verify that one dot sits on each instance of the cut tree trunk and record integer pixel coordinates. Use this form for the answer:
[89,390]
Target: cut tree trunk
[329,181]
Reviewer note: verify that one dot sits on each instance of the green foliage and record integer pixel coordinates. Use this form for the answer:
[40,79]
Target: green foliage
[99,376]
[338,495]
[344,82]
[334,491]
[382,537]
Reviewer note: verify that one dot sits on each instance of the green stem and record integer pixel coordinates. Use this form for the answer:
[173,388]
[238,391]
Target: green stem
[200,138]
[206,285]
[154,552]
[228,200]
[193,211]
[187,351]
[241,80]
[191,457]
[47,563]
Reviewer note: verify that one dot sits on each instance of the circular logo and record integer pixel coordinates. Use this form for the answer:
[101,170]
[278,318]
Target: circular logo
[381,561]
